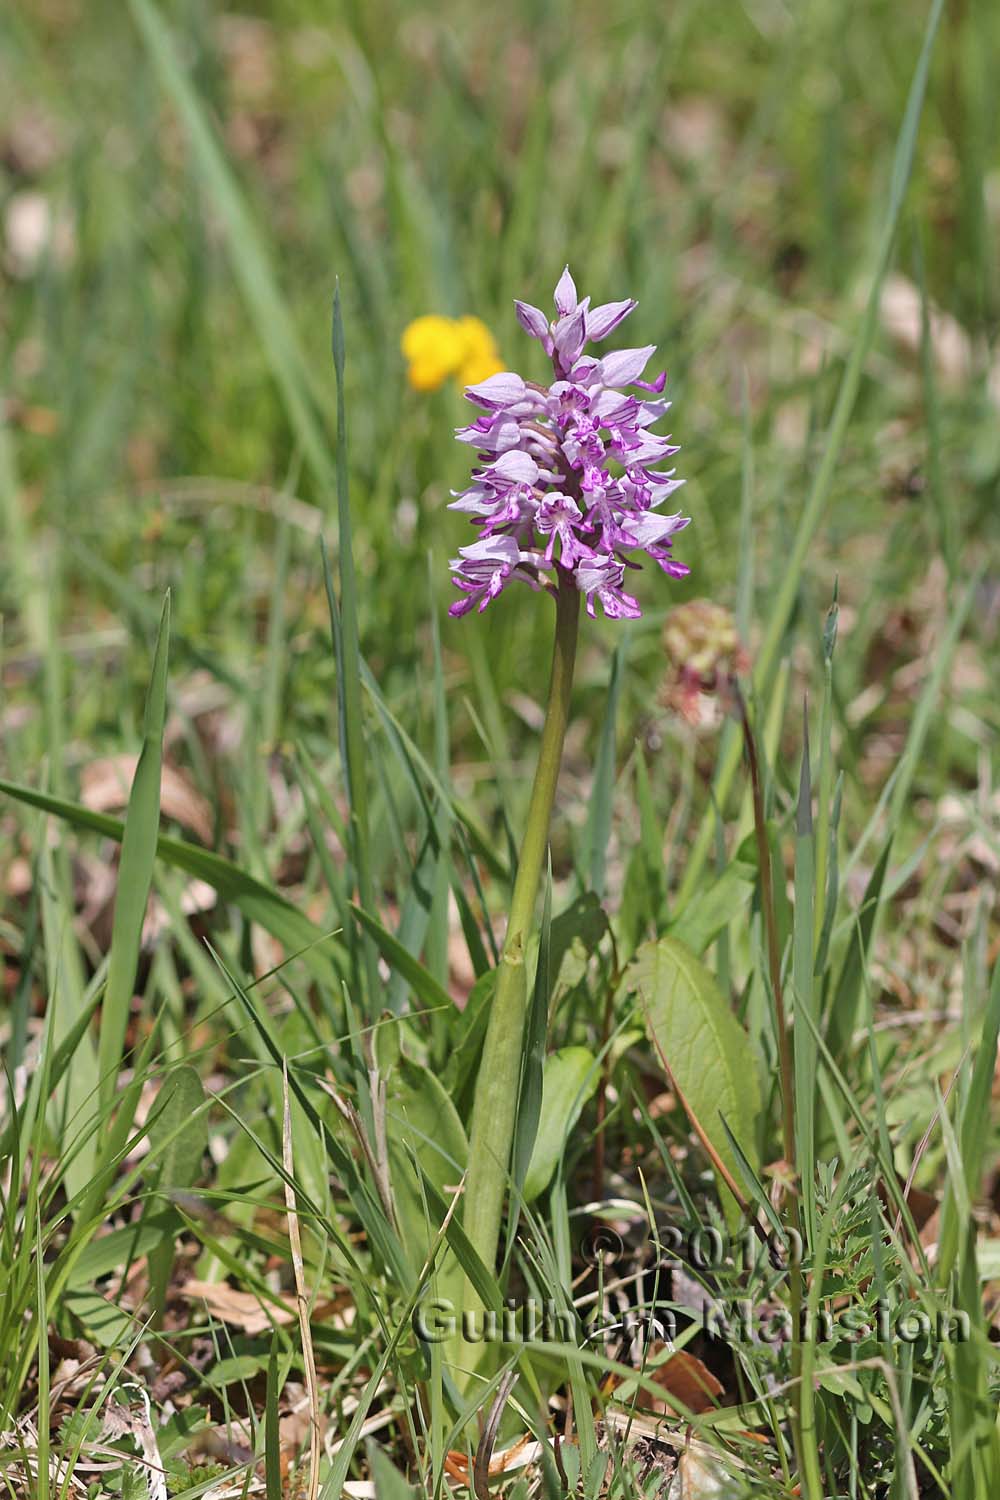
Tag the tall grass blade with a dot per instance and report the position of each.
(426, 988)
(349, 684)
(943, 503)
(529, 1104)
(334, 1484)
(599, 820)
(42, 1374)
(436, 938)
(135, 872)
(77, 1090)
(802, 981)
(273, 1485)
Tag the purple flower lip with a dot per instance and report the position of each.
(567, 482)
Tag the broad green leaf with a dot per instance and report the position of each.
(583, 921)
(178, 1129)
(421, 1123)
(115, 1250)
(178, 1432)
(469, 1032)
(428, 1151)
(389, 1482)
(621, 1042)
(108, 1325)
(711, 909)
(235, 1370)
(178, 1135)
(569, 1080)
(707, 1052)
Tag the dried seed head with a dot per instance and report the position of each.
(705, 656)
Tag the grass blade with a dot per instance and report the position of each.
(135, 871)
(802, 981)
(529, 1104)
(77, 1090)
(599, 821)
(427, 989)
(349, 659)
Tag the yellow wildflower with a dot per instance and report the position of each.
(482, 357)
(434, 348)
(437, 347)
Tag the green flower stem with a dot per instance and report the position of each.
(495, 1107)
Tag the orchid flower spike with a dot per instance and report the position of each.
(569, 479)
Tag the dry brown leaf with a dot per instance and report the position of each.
(902, 318)
(240, 1309)
(105, 785)
(685, 1378)
(661, 1105)
(136, 1421)
(703, 1476)
(19, 878)
(953, 350)
(245, 1310)
(32, 229)
(520, 1453)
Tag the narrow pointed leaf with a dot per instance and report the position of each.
(135, 870)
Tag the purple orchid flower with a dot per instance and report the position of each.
(567, 483)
